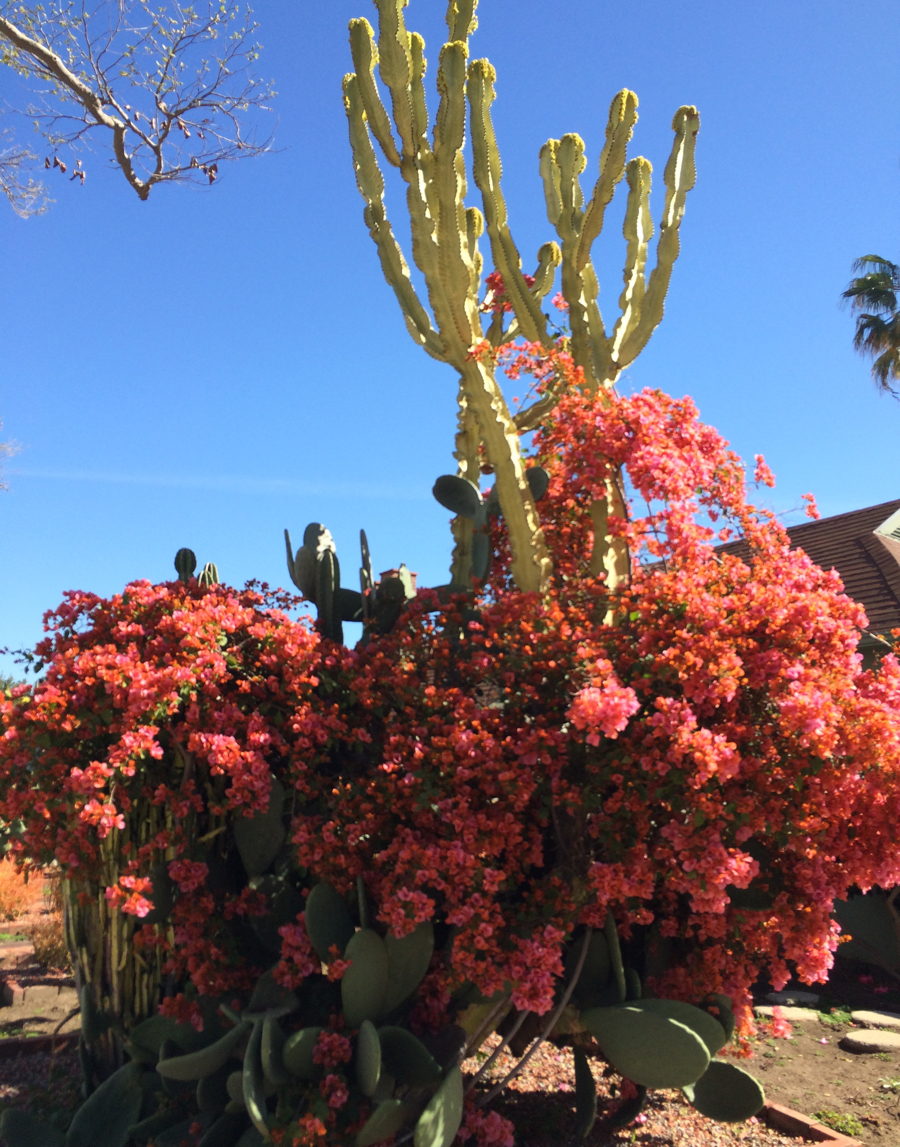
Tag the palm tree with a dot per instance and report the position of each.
(873, 298)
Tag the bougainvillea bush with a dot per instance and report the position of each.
(697, 751)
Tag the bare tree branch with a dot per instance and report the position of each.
(26, 195)
(169, 88)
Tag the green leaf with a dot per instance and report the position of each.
(407, 1059)
(408, 961)
(439, 1122)
(146, 1038)
(585, 1095)
(271, 1051)
(648, 1048)
(385, 1121)
(106, 1118)
(699, 1021)
(198, 1064)
(259, 837)
(368, 1059)
(252, 1079)
(458, 495)
(364, 982)
(328, 921)
(270, 996)
(727, 1093)
(298, 1053)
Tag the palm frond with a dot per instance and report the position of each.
(886, 369)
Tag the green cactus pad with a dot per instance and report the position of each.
(408, 960)
(328, 921)
(611, 932)
(298, 1053)
(646, 1047)
(634, 989)
(348, 604)
(105, 1119)
(407, 1058)
(253, 1083)
(629, 1110)
(234, 1085)
(22, 1129)
(385, 1121)
(226, 1131)
(259, 837)
(594, 971)
(538, 481)
(458, 495)
(385, 1088)
(727, 1093)
(270, 996)
(185, 563)
(212, 1091)
(585, 1095)
(699, 1021)
(150, 1128)
(199, 1064)
(439, 1122)
(721, 1008)
(368, 1059)
(364, 983)
(271, 1052)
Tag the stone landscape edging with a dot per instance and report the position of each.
(18, 1045)
(793, 1123)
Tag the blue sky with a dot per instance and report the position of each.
(209, 367)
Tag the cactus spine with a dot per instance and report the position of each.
(445, 236)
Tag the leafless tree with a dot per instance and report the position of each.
(169, 87)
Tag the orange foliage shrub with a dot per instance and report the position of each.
(16, 896)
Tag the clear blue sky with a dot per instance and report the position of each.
(207, 368)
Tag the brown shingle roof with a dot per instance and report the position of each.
(847, 543)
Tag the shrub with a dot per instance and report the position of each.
(17, 894)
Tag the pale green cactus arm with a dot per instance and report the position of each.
(530, 562)
(468, 466)
(619, 129)
(486, 171)
(454, 262)
(396, 70)
(474, 231)
(393, 265)
(461, 19)
(549, 258)
(680, 175)
(638, 231)
(365, 57)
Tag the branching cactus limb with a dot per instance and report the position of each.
(445, 242)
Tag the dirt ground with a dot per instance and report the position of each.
(808, 1072)
(811, 1073)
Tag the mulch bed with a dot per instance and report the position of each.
(541, 1105)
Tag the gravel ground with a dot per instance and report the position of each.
(541, 1106)
(28, 1082)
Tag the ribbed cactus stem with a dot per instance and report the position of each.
(680, 175)
(530, 563)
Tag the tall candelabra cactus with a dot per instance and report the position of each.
(445, 248)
